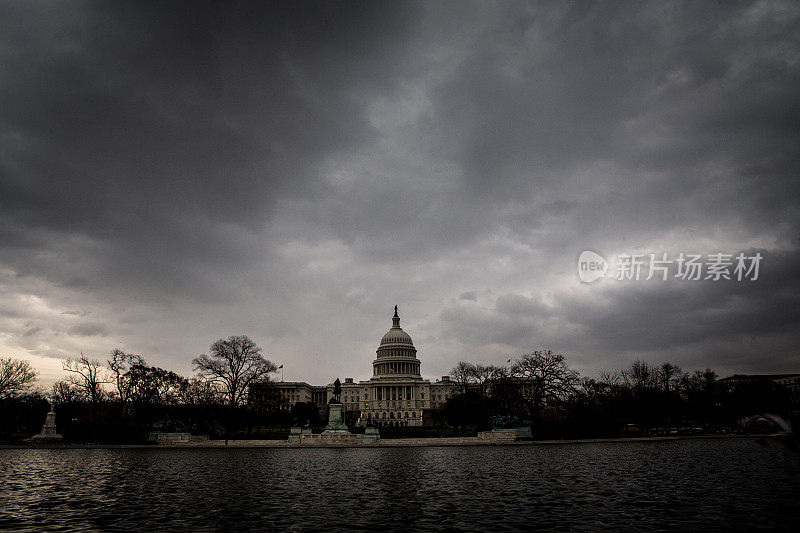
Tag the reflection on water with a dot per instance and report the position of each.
(691, 484)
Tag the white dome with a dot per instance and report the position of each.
(396, 355)
(396, 336)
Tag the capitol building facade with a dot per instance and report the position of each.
(395, 396)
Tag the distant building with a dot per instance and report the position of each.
(789, 382)
(396, 395)
(283, 395)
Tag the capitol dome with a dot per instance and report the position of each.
(396, 335)
(396, 352)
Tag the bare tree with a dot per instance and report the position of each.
(200, 392)
(234, 364)
(640, 376)
(610, 379)
(547, 379)
(699, 380)
(16, 376)
(89, 376)
(65, 392)
(482, 375)
(669, 376)
(120, 365)
(462, 374)
(155, 386)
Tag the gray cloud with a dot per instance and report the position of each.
(88, 330)
(291, 171)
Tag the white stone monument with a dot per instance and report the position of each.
(48, 433)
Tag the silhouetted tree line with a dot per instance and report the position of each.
(20, 403)
(124, 399)
(641, 399)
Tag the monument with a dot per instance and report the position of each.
(336, 432)
(336, 425)
(48, 433)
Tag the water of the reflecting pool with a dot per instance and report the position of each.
(730, 484)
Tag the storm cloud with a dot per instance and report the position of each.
(174, 173)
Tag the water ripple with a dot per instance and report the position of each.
(711, 485)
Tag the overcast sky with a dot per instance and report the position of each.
(181, 172)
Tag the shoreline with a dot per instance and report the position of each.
(431, 442)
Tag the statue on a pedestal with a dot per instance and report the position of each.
(337, 392)
(336, 423)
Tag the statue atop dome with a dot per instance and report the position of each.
(395, 319)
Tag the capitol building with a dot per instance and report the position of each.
(396, 394)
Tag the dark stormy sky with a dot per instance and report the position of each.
(172, 173)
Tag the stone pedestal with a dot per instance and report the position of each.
(335, 434)
(48, 433)
(295, 435)
(498, 436)
(371, 435)
(175, 438)
(523, 432)
(336, 425)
